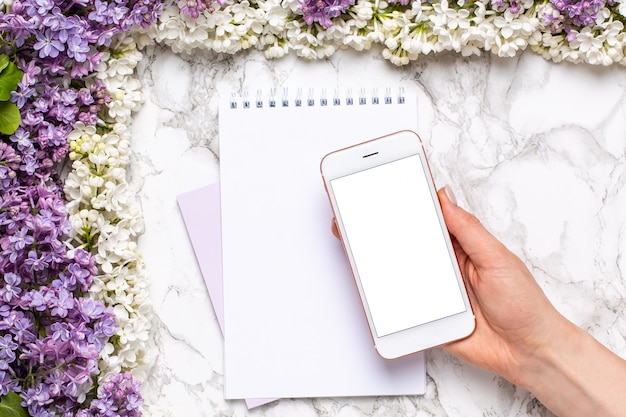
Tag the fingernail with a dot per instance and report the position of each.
(450, 194)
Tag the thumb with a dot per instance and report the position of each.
(474, 239)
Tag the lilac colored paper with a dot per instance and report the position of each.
(201, 212)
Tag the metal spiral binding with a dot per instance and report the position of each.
(339, 98)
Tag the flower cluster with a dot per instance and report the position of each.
(68, 34)
(322, 11)
(54, 333)
(576, 13)
(117, 396)
(51, 333)
(193, 8)
(104, 214)
(573, 30)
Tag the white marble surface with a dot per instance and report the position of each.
(535, 149)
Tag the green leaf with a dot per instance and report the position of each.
(10, 406)
(4, 61)
(9, 119)
(9, 77)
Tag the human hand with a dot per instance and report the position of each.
(513, 316)
(514, 319)
(520, 335)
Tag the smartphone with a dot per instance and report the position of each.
(394, 236)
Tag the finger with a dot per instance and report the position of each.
(335, 229)
(461, 256)
(474, 239)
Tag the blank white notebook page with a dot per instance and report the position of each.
(294, 325)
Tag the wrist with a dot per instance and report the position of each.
(545, 358)
(549, 372)
(573, 368)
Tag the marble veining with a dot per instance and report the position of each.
(536, 150)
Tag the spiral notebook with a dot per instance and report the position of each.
(293, 322)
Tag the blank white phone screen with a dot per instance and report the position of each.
(397, 243)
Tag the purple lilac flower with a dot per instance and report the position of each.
(60, 356)
(574, 14)
(63, 303)
(31, 73)
(21, 96)
(50, 333)
(42, 317)
(6, 383)
(193, 8)
(7, 349)
(98, 13)
(48, 45)
(23, 329)
(9, 163)
(117, 396)
(77, 48)
(39, 7)
(11, 288)
(61, 39)
(511, 5)
(581, 13)
(322, 11)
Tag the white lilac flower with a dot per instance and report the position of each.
(170, 25)
(307, 41)
(276, 50)
(458, 19)
(586, 41)
(356, 40)
(104, 215)
(121, 58)
(363, 11)
(276, 17)
(621, 7)
(473, 40)
(513, 32)
(417, 43)
(278, 27)
(602, 46)
(126, 97)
